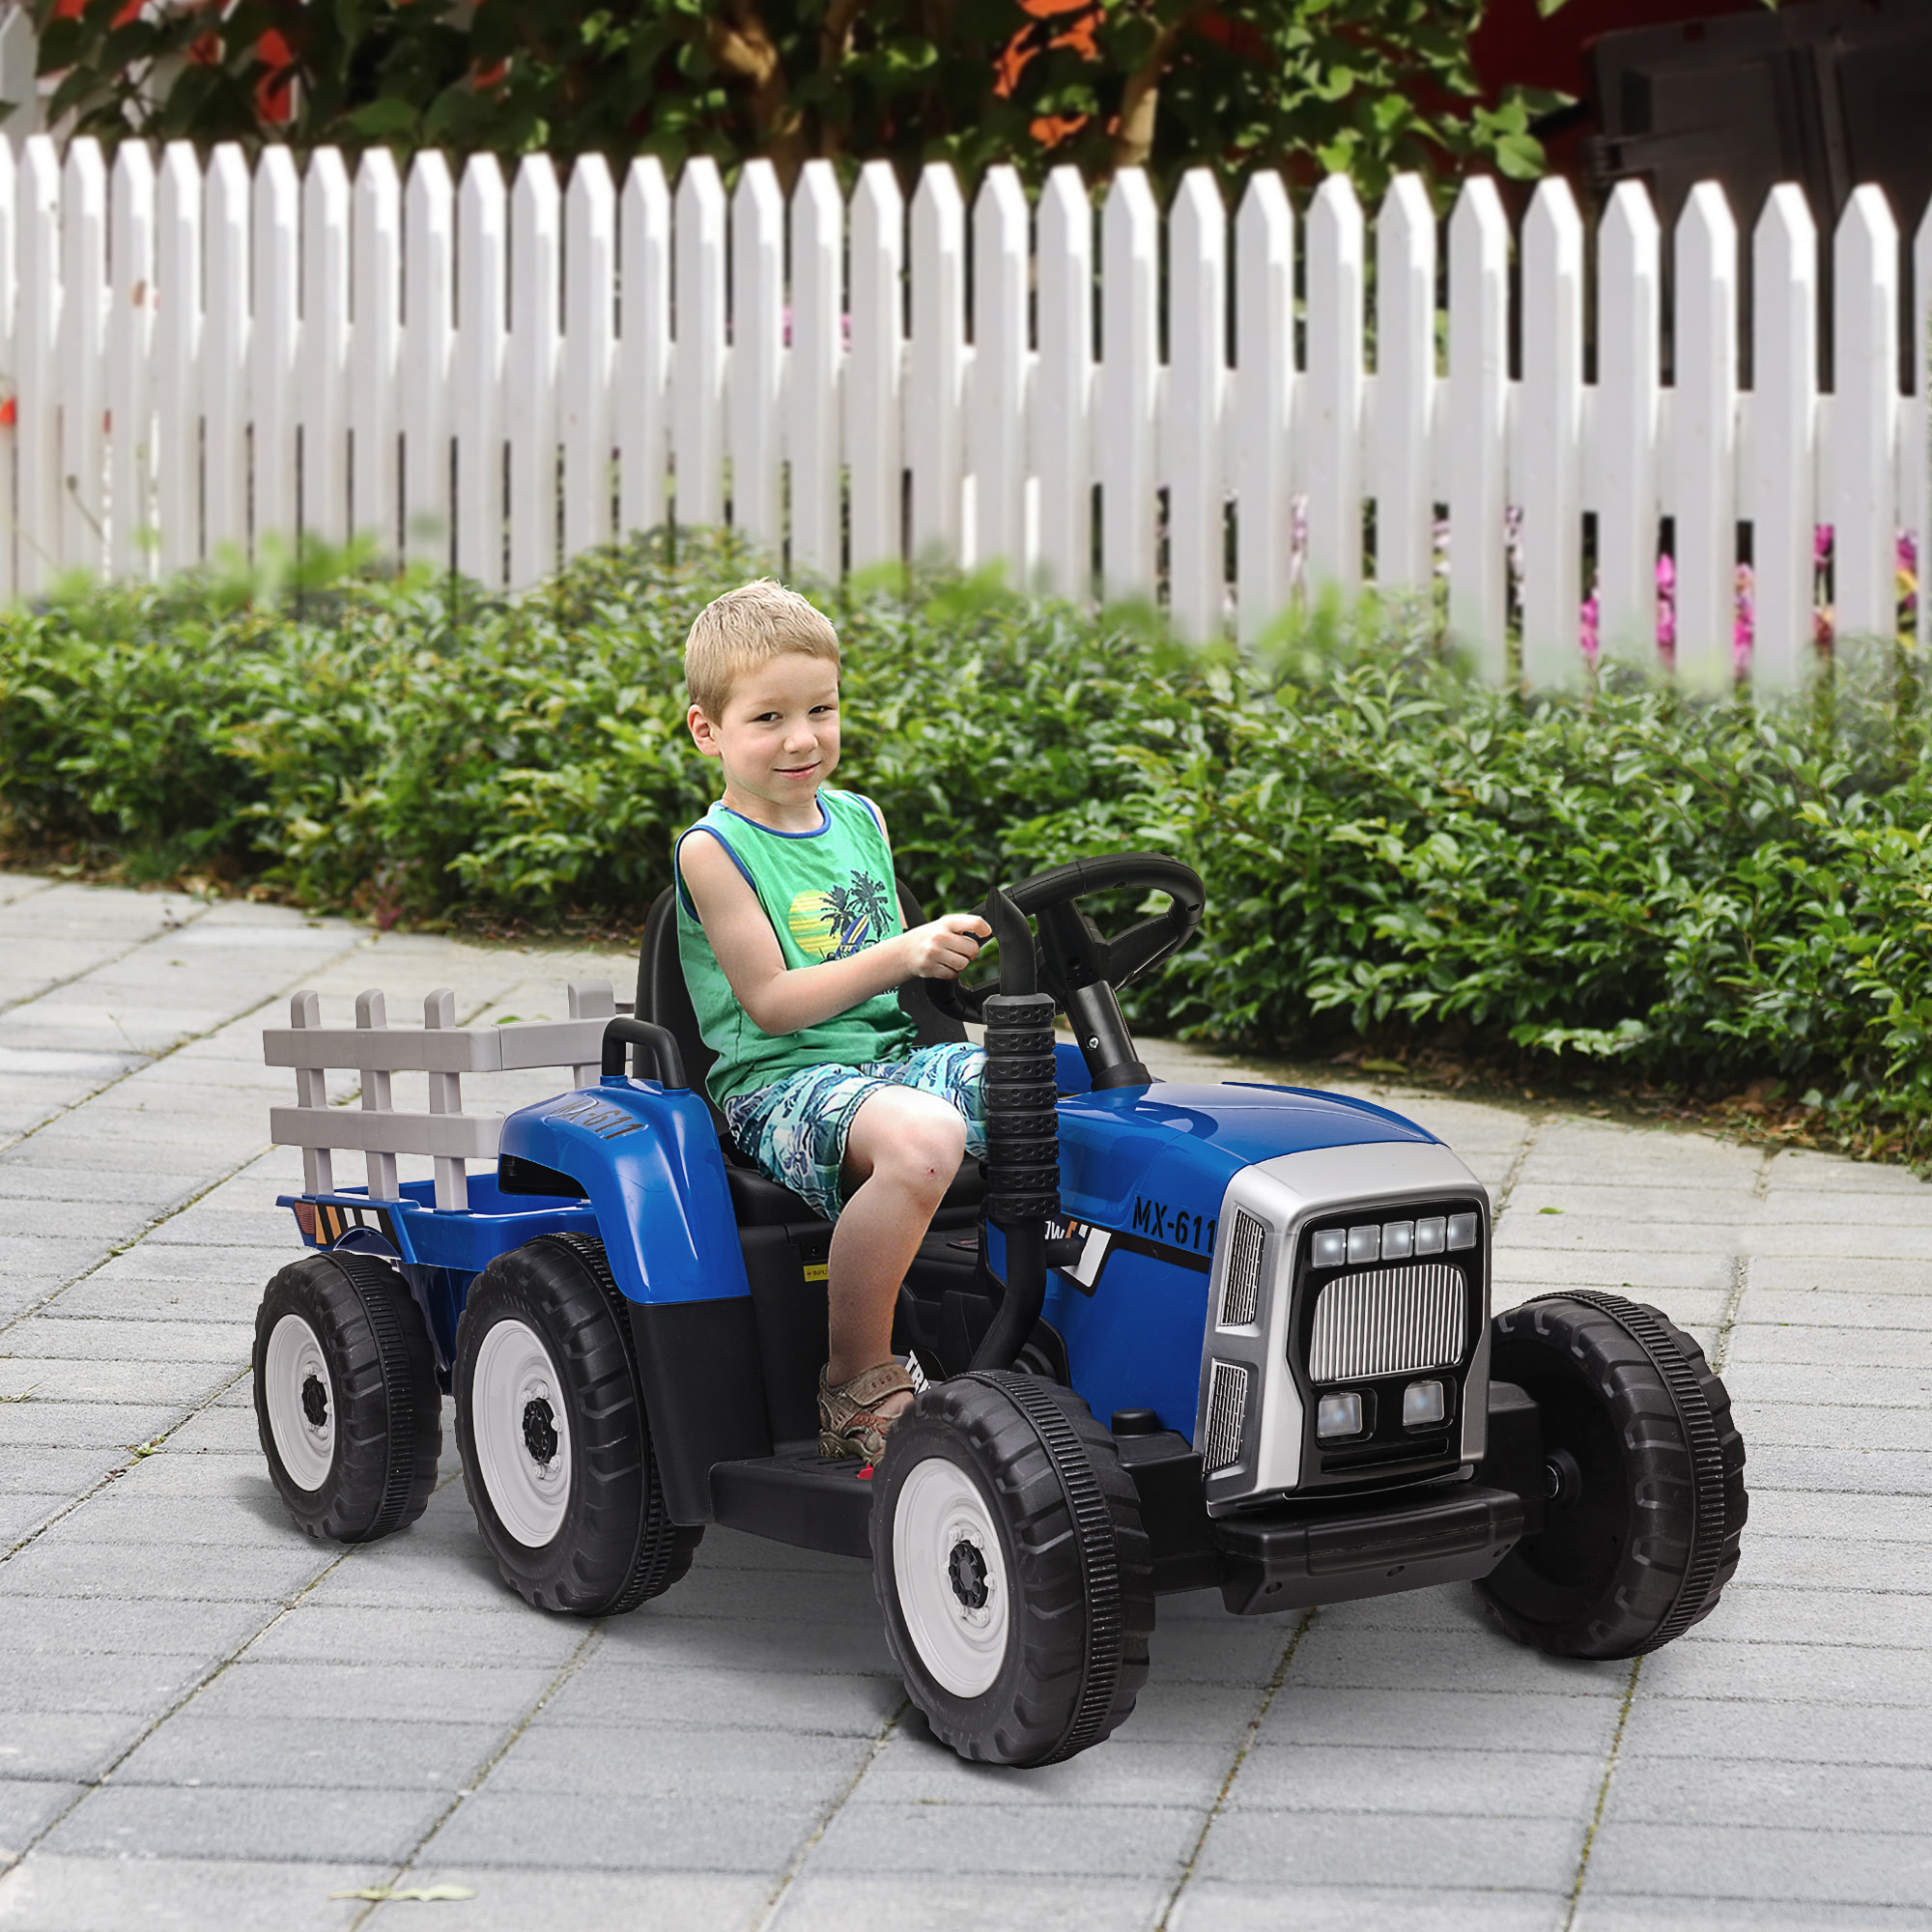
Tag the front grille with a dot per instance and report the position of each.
(1227, 1408)
(1388, 1321)
(1241, 1290)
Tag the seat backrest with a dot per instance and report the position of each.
(664, 996)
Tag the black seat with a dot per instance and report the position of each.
(663, 998)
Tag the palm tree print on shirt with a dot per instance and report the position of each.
(842, 920)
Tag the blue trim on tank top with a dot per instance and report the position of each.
(677, 869)
(824, 812)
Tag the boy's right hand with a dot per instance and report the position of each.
(944, 949)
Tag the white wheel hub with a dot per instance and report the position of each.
(951, 1573)
(300, 1402)
(521, 1431)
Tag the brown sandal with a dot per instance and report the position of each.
(849, 1420)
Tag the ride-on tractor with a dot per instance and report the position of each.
(1276, 1299)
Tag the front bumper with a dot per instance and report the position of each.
(1333, 1549)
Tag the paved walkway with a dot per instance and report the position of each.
(208, 1721)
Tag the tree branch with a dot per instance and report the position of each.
(1140, 99)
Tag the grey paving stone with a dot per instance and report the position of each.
(315, 1750)
(1107, 1841)
(1343, 1848)
(56, 1382)
(703, 1767)
(126, 1517)
(36, 1469)
(665, 1642)
(820, 1902)
(120, 1894)
(1471, 1659)
(1887, 1472)
(1644, 1272)
(453, 1691)
(52, 1684)
(25, 1176)
(1129, 1769)
(1778, 1417)
(1844, 1562)
(627, 1831)
(1801, 1273)
(27, 1808)
(1219, 1905)
(1697, 1665)
(1740, 1790)
(64, 1746)
(56, 1334)
(510, 1901)
(1790, 1733)
(1753, 1611)
(1833, 1308)
(1836, 1867)
(1858, 1351)
(24, 1510)
(1504, 1721)
(219, 1432)
(651, 1700)
(50, 1568)
(128, 1297)
(1391, 1781)
(106, 1221)
(66, 1425)
(309, 1823)
(94, 1627)
(357, 1634)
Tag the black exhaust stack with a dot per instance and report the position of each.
(1022, 1135)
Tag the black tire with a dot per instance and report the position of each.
(1059, 1668)
(345, 1396)
(602, 1541)
(1646, 1470)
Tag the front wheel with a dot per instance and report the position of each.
(557, 1448)
(1013, 1568)
(1645, 1473)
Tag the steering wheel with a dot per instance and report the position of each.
(1071, 951)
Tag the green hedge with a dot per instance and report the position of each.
(1696, 891)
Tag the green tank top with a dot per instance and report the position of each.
(827, 893)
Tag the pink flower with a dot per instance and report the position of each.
(1666, 604)
(1743, 620)
(1587, 617)
(1821, 546)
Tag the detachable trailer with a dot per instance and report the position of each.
(1278, 1297)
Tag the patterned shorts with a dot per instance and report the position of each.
(795, 1128)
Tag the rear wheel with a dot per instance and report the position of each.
(1645, 1473)
(346, 1398)
(1013, 1571)
(556, 1449)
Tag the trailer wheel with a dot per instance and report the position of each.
(557, 1448)
(1645, 1474)
(346, 1399)
(1014, 1575)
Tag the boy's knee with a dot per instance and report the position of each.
(925, 1153)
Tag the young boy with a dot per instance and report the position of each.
(790, 933)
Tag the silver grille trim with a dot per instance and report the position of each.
(1387, 1321)
(1227, 1410)
(1241, 1290)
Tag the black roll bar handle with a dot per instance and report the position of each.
(667, 1063)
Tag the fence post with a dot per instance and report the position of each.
(476, 415)
(177, 376)
(995, 436)
(445, 1097)
(1864, 408)
(1628, 345)
(9, 376)
(130, 313)
(1332, 397)
(372, 1012)
(755, 403)
(699, 360)
(1550, 436)
(312, 1091)
(427, 357)
(19, 57)
(644, 349)
(82, 522)
(1124, 452)
(276, 345)
(1062, 385)
(818, 358)
(1780, 491)
(374, 357)
(225, 352)
(1704, 459)
(1197, 303)
(530, 367)
(875, 368)
(37, 397)
(936, 377)
(589, 342)
(323, 362)
(1918, 456)
(1399, 479)
(1478, 418)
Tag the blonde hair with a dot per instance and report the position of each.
(746, 627)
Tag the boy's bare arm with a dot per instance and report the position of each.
(782, 999)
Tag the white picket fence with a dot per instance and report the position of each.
(1105, 401)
